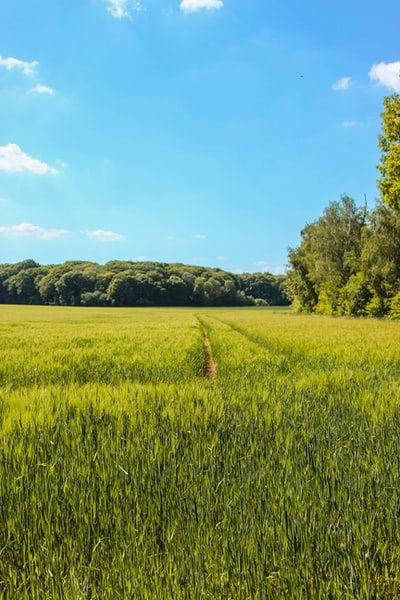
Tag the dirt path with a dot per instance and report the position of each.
(210, 370)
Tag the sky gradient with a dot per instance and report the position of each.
(196, 131)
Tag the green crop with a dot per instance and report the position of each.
(127, 472)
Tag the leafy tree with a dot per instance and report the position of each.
(300, 287)
(328, 256)
(178, 291)
(356, 295)
(22, 288)
(122, 289)
(380, 259)
(229, 292)
(389, 144)
(264, 288)
(18, 282)
(70, 287)
(96, 298)
(394, 312)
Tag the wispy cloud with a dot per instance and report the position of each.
(42, 89)
(14, 160)
(278, 270)
(123, 9)
(342, 84)
(267, 268)
(28, 229)
(199, 236)
(188, 6)
(350, 123)
(105, 236)
(386, 75)
(28, 68)
(61, 163)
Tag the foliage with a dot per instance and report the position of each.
(381, 251)
(358, 277)
(356, 296)
(389, 144)
(328, 257)
(126, 283)
(395, 307)
(348, 261)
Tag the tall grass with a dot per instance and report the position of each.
(277, 480)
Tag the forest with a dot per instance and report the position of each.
(348, 261)
(128, 283)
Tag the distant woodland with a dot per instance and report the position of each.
(127, 283)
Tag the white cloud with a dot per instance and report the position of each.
(278, 270)
(188, 6)
(350, 123)
(141, 258)
(267, 268)
(24, 229)
(61, 163)
(42, 89)
(386, 75)
(14, 160)
(122, 9)
(105, 236)
(199, 236)
(342, 84)
(28, 68)
(200, 259)
(221, 258)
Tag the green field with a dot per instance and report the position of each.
(129, 470)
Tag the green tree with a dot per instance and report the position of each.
(380, 258)
(328, 256)
(177, 291)
(389, 144)
(70, 287)
(300, 288)
(265, 288)
(22, 287)
(122, 290)
(19, 282)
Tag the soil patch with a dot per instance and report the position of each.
(210, 369)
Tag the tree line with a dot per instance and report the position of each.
(128, 283)
(348, 261)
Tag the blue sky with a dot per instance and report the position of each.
(197, 131)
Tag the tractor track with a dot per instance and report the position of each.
(210, 368)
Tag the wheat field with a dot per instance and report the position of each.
(127, 471)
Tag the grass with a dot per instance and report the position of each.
(126, 473)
